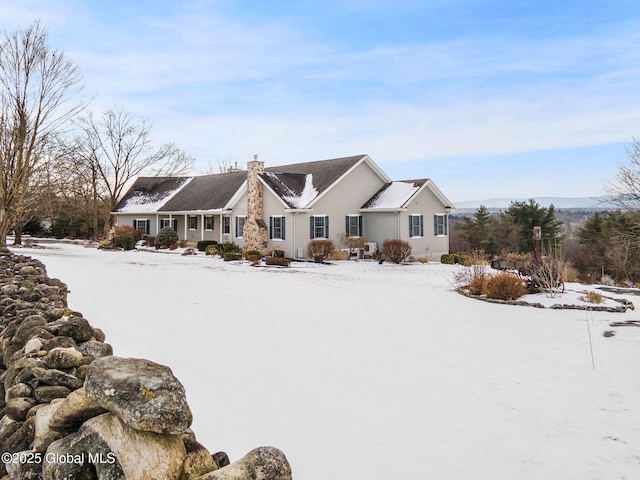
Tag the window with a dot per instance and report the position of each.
(276, 228)
(166, 222)
(141, 226)
(440, 224)
(193, 222)
(319, 226)
(240, 225)
(208, 222)
(226, 225)
(416, 226)
(353, 225)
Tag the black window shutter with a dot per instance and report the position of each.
(346, 225)
(270, 227)
(421, 226)
(312, 229)
(282, 227)
(410, 225)
(360, 226)
(446, 226)
(237, 226)
(435, 225)
(326, 227)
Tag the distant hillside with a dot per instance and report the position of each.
(586, 203)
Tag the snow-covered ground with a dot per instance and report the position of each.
(366, 371)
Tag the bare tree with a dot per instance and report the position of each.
(36, 85)
(117, 148)
(625, 190)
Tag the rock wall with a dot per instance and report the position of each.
(70, 409)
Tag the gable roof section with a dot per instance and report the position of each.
(296, 190)
(397, 195)
(148, 194)
(301, 184)
(207, 192)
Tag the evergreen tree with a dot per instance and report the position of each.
(526, 215)
(478, 231)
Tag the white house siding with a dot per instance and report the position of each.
(430, 245)
(239, 209)
(128, 219)
(346, 197)
(380, 226)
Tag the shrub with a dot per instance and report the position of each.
(182, 243)
(478, 286)
(227, 247)
(252, 255)
(128, 230)
(592, 297)
(353, 244)
(448, 258)
(211, 249)
(548, 273)
(320, 250)
(149, 241)
(464, 276)
(203, 244)
(463, 259)
(125, 242)
(278, 252)
(166, 237)
(228, 256)
(505, 286)
(422, 260)
(279, 261)
(396, 250)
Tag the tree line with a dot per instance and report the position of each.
(59, 161)
(606, 246)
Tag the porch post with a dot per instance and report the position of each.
(202, 227)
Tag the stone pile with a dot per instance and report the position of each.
(72, 410)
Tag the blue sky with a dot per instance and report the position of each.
(516, 98)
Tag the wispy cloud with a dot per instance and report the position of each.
(227, 82)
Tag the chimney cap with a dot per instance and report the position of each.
(255, 157)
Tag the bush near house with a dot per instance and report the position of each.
(252, 255)
(279, 261)
(125, 242)
(166, 237)
(228, 256)
(395, 250)
(203, 244)
(227, 247)
(211, 249)
(123, 230)
(448, 258)
(320, 250)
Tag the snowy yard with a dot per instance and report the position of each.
(366, 371)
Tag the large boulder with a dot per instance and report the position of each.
(144, 394)
(262, 463)
(116, 451)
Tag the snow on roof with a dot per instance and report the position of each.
(295, 189)
(395, 194)
(309, 192)
(145, 201)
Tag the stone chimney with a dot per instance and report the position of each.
(254, 232)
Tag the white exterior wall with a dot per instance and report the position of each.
(346, 197)
(380, 226)
(128, 218)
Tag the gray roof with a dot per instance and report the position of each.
(325, 172)
(213, 192)
(148, 192)
(208, 192)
